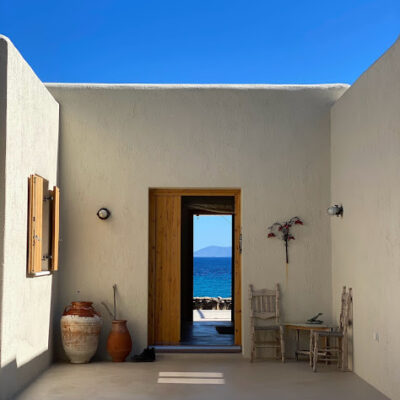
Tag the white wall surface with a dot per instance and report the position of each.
(366, 242)
(29, 140)
(116, 142)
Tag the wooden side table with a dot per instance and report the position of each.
(298, 327)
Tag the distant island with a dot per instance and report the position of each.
(213, 252)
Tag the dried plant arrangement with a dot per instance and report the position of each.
(282, 231)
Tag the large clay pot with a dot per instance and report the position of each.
(80, 330)
(119, 343)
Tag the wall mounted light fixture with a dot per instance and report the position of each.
(336, 210)
(103, 213)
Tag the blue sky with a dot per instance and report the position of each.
(207, 41)
(212, 230)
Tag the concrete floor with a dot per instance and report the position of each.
(201, 377)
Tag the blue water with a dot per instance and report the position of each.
(212, 277)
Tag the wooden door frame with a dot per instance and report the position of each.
(231, 192)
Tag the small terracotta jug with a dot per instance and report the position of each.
(119, 343)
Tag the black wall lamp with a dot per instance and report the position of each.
(103, 213)
(336, 210)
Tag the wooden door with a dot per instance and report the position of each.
(237, 270)
(165, 269)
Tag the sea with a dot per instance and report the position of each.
(212, 277)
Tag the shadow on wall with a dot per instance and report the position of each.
(14, 379)
(29, 361)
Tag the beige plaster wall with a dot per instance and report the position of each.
(29, 144)
(116, 142)
(366, 242)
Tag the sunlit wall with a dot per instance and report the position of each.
(29, 141)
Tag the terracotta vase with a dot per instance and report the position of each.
(119, 343)
(80, 330)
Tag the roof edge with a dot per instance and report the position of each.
(165, 86)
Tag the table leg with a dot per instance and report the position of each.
(297, 344)
(326, 341)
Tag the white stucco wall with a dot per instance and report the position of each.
(29, 139)
(366, 242)
(116, 142)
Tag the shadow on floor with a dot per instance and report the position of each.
(204, 333)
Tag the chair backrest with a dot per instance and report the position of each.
(264, 303)
(345, 310)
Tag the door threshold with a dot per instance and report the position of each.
(197, 349)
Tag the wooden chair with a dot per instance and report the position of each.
(338, 350)
(264, 306)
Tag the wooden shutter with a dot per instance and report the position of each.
(55, 231)
(165, 269)
(35, 221)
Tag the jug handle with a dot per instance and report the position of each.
(66, 309)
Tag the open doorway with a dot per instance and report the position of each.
(212, 271)
(174, 285)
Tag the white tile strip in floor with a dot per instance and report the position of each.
(192, 381)
(191, 378)
(192, 374)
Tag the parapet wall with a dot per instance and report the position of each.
(212, 303)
